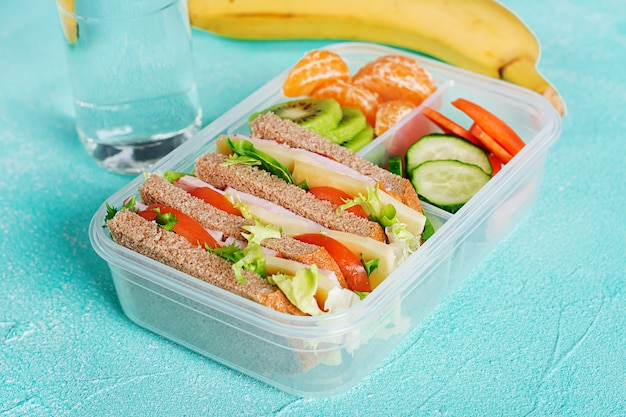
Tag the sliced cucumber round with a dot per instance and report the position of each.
(437, 146)
(448, 184)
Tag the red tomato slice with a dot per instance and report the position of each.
(349, 264)
(337, 197)
(185, 226)
(217, 200)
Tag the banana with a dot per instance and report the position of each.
(68, 21)
(479, 35)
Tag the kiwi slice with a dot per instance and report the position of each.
(320, 115)
(361, 139)
(351, 123)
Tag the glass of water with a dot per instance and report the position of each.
(131, 70)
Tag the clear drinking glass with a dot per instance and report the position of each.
(131, 70)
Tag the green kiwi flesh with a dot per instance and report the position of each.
(320, 115)
(361, 139)
(352, 122)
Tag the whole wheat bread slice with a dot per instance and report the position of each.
(271, 127)
(157, 190)
(144, 237)
(210, 168)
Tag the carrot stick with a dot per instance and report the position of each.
(448, 126)
(489, 143)
(491, 125)
(495, 162)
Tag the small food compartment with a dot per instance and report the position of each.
(314, 356)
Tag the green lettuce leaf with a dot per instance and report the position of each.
(300, 289)
(242, 159)
(259, 232)
(232, 252)
(243, 209)
(385, 214)
(250, 258)
(173, 176)
(245, 153)
(253, 260)
(370, 265)
(404, 242)
(130, 204)
(165, 220)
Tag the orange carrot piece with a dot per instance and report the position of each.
(496, 164)
(491, 125)
(489, 143)
(448, 126)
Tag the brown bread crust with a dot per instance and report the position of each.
(157, 190)
(271, 127)
(144, 237)
(249, 179)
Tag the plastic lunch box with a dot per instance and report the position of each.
(322, 356)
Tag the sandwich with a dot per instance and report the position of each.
(271, 127)
(254, 261)
(282, 217)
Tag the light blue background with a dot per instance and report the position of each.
(538, 328)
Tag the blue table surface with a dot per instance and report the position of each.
(538, 328)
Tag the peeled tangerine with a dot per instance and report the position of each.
(396, 77)
(391, 112)
(315, 70)
(351, 95)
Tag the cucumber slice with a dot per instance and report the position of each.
(448, 184)
(437, 146)
(395, 165)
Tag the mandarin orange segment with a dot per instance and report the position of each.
(316, 69)
(350, 95)
(396, 77)
(391, 112)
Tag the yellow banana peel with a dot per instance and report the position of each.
(68, 21)
(478, 35)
